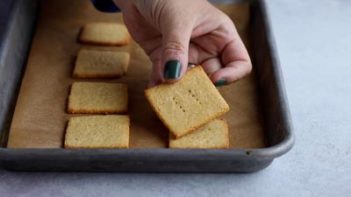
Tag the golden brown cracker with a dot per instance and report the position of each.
(98, 131)
(103, 33)
(214, 134)
(187, 104)
(100, 64)
(98, 98)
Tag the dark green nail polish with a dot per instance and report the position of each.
(221, 82)
(172, 69)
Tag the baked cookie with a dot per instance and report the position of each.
(100, 64)
(102, 33)
(214, 134)
(187, 104)
(98, 98)
(97, 131)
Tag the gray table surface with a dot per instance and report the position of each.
(314, 43)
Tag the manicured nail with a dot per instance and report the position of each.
(221, 82)
(172, 69)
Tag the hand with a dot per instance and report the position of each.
(174, 33)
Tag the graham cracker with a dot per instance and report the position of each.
(102, 33)
(97, 131)
(214, 135)
(92, 63)
(98, 98)
(187, 104)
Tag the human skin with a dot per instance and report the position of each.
(174, 33)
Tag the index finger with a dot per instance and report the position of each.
(235, 60)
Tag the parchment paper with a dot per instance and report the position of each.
(40, 116)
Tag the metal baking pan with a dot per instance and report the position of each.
(15, 41)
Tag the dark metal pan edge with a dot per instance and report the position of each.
(288, 142)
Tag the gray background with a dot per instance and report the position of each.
(314, 43)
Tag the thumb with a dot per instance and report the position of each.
(175, 47)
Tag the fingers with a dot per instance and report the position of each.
(170, 61)
(217, 45)
(233, 64)
(236, 63)
(231, 73)
(175, 48)
(172, 64)
(211, 65)
(156, 73)
(174, 57)
(197, 55)
(225, 75)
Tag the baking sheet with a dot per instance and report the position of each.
(40, 116)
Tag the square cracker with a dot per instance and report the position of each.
(187, 104)
(214, 134)
(105, 34)
(97, 98)
(97, 131)
(100, 64)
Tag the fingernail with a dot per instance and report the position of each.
(172, 69)
(190, 65)
(221, 82)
